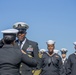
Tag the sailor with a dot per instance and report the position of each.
(11, 56)
(51, 62)
(71, 66)
(30, 47)
(64, 60)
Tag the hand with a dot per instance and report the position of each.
(23, 52)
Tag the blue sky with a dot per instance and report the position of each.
(47, 20)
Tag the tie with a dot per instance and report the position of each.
(20, 43)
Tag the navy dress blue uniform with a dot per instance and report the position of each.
(10, 59)
(51, 65)
(64, 66)
(71, 66)
(30, 47)
(51, 62)
(64, 61)
(11, 56)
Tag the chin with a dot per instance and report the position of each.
(50, 51)
(20, 39)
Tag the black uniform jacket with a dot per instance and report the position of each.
(51, 65)
(31, 48)
(71, 64)
(10, 59)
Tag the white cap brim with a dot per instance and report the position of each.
(10, 31)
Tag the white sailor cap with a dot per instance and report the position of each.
(42, 50)
(74, 43)
(20, 25)
(10, 31)
(56, 51)
(50, 42)
(63, 50)
(9, 34)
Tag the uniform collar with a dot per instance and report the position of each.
(24, 41)
(49, 54)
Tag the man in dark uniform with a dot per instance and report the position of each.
(71, 66)
(11, 56)
(64, 60)
(30, 47)
(51, 62)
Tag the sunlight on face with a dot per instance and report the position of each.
(50, 47)
(21, 36)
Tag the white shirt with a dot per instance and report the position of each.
(22, 44)
(63, 60)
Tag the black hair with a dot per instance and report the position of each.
(22, 31)
(9, 38)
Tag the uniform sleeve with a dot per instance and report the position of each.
(29, 60)
(42, 61)
(69, 66)
(36, 50)
(60, 66)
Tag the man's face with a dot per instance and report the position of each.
(63, 55)
(21, 36)
(50, 47)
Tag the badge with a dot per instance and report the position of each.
(30, 48)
